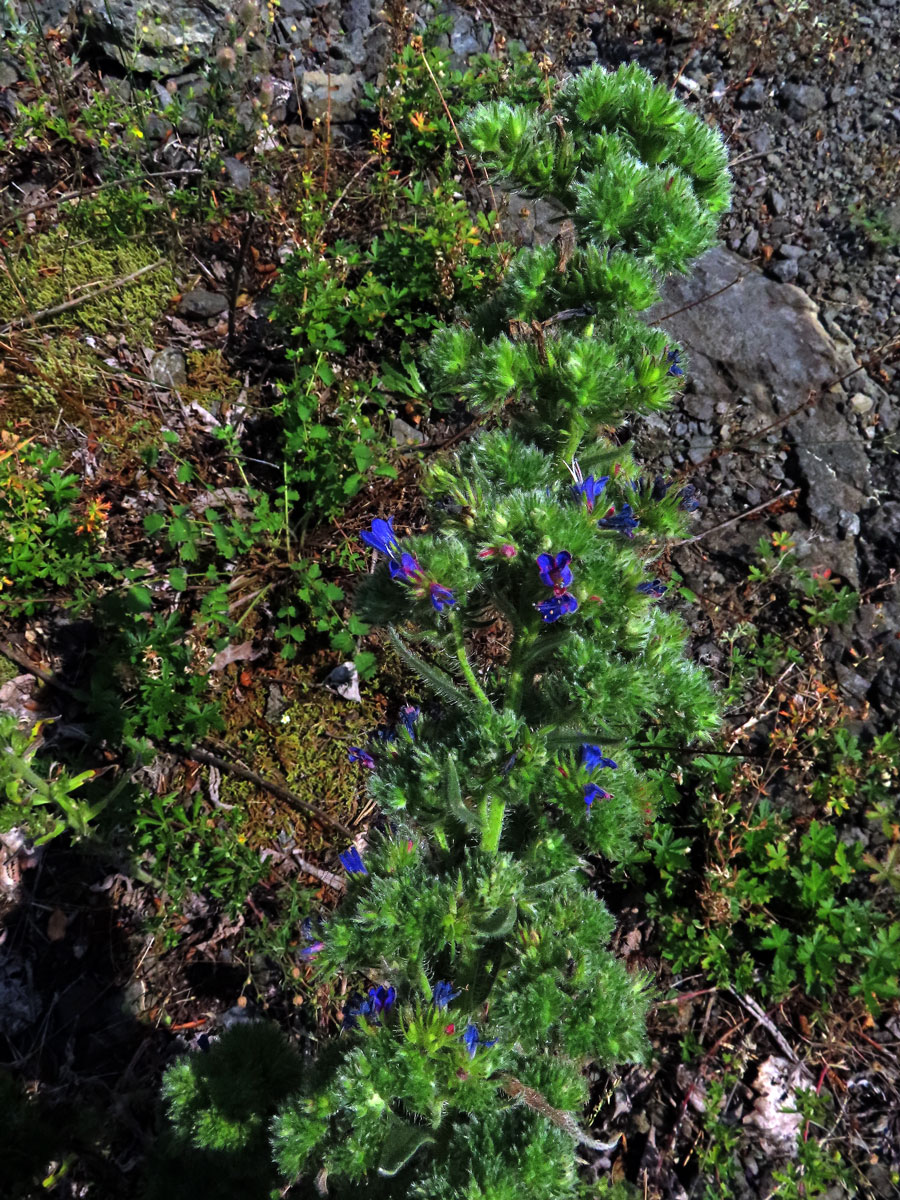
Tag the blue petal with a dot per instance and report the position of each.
(382, 538)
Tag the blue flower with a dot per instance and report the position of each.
(311, 951)
(623, 521)
(592, 758)
(381, 999)
(473, 1041)
(443, 994)
(357, 754)
(590, 490)
(557, 606)
(555, 572)
(673, 357)
(409, 714)
(689, 501)
(382, 538)
(592, 792)
(352, 862)
(404, 567)
(441, 597)
(654, 587)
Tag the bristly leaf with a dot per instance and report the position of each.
(433, 676)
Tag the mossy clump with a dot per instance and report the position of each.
(57, 267)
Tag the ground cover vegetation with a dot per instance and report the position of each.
(182, 548)
(460, 1071)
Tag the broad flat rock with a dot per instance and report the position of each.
(750, 338)
(155, 35)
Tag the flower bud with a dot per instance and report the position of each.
(225, 59)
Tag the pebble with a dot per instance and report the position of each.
(201, 304)
(776, 201)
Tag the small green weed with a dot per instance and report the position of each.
(51, 533)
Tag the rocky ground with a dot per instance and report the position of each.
(789, 422)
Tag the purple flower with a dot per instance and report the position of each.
(407, 569)
(443, 994)
(312, 951)
(555, 572)
(623, 521)
(592, 792)
(357, 754)
(473, 1041)
(590, 490)
(673, 357)
(352, 862)
(382, 538)
(557, 606)
(592, 758)
(409, 714)
(655, 588)
(441, 597)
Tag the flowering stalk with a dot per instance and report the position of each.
(470, 914)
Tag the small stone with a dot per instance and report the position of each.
(8, 73)
(750, 243)
(323, 94)
(861, 403)
(776, 202)
(800, 99)
(297, 135)
(760, 140)
(238, 174)
(753, 96)
(406, 434)
(785, 271)
(169, 368)
(201, 304)
(789, 250)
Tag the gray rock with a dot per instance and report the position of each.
(200, 304)
(785, 271)
(764, 340)
(406, 434)
(155, 35)
(8, 73)
(801, 99)
(356, 15)
(317, 86)
(238, 174)
(750, 243)
(169, 368)
(753, 96)
(789, 250)
(776, 202)
(861, 403)
(760, 140)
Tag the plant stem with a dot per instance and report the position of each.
(464, 663)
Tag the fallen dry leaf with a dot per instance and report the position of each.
(232, 654)
(56, 925)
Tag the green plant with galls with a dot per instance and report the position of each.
(488, 982)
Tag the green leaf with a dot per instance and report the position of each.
(441, 682)
(140, 599)
(500, 921)
(178, 578)
(401, 1144)
(154, 522)
(185, 473)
